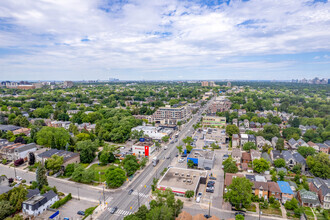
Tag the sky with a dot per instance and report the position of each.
(164, 39)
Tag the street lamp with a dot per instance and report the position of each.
(260, 213)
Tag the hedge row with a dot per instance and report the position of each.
(61, 202)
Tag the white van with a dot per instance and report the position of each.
(198, 199)
(165, 148)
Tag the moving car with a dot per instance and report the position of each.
(168, 157)
(130, 191)
(113, 210)
(81, 213)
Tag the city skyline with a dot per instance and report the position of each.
(164, 40)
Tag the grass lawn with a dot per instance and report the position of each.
(84, 164)
(290, 215)
(252, 208)
(309, 213)
(98, 168)
(319, 215)
(272, 211)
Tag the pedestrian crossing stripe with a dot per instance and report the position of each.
(121, 212)
(140, 194)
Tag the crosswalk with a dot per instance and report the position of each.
(140, 194)
(121, 212)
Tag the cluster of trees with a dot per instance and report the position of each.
(239, 193)
(53, 137)
(11, 202)
(229, 165)
(260, 165)
(319, 165)
(164, 207)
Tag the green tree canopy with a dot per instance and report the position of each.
(239, 192)
(260, 165)
(115, 177)
(87, 150)
(279, 162)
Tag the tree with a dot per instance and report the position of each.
(73, 129)
(189, 194)
(143, 162)
(5, 209)
(188, 140)
(80, 174)
(232, 129)
(279, 163)
(165, 138)
(115, 177)
(281, 174)
(306, 151)
(189, 148)
(69, 169)
(104, 158)
(280, 144)
(87, 150)
(239, 192)
(229, 166)
(131, 164)
(295, 122)
(53, 137)
(135, 134)
(297, 169)
(180, 149)
(190, 163)
(142, 212)
(239, 217)
(291, 205)
(319, 165)
(291, 132)
(32, 158)
(54, 163)
(249, 145)
(260, 165)
(41, 177)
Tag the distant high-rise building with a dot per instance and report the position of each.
(228, 84)
(212, 84)
(113, 80)
(205, 83)
(68, 84)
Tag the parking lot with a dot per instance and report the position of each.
(70, 209)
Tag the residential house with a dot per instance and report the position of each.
(252, 138)
(274, 141)
(300, 160)
(281, 169)
(286, 191)
(275, 154)
(235, 141)
(313, 145)
(235, 121)
(266, 157)
(293, 186)
(308, 198)
(293, 143)
(322, 188)
(327, 143)
(246, 123)
(289, 159)
(274, 190)
(68, 157)
(244, 139)
(25, 131)
(7, 151)
(23, 151)
(37, 204)
(302, 143)
(323, 148)
(237, 155)
(260, 141)
(229, 178)
(260, 189)
(255, 154)
(246, 157)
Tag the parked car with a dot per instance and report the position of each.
(200, 194)
(19, 178)
(113, 210)
(81, 213)
(168, 157)
(207, 168)
(176, 155)
(198, 199)
(212, 178)
(207, 216)
(130, 191)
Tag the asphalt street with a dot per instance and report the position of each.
(128, 204)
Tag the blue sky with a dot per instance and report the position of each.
(164, 39)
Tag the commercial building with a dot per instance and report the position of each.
(205, 83)
(169, 115)
(143, 148)
(214, 121)
(154, 132)
(181, 180)
(202, 158)
(37, 204)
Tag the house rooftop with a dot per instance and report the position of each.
(198, 153)
(285, 187)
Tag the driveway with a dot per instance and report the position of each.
(71, 208)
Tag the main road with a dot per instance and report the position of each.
(128, 204)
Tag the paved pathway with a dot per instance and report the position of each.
(283, 211)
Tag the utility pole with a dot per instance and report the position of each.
(209, 208)
(15, 172)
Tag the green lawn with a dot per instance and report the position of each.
(98, 168)
(272, 211)
(84, 164)
(309, 213)
(319, 215)
(290, 215)
(252, 208)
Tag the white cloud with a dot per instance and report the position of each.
(147, 35)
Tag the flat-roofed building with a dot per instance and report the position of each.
(170, 115)
(202, 158)
(214, 121)
(143, 148)
(181, 180)
(154, 132)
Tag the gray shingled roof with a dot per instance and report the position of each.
(309, 197)
(287, 155)
(299, 158)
